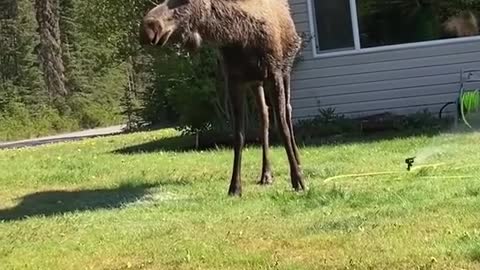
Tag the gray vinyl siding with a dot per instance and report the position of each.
(401, 81)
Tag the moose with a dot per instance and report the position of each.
(257, 43)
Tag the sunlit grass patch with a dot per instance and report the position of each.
(135, 202)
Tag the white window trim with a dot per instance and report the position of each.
(356, 37)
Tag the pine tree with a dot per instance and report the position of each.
(8, 15)
(50, 51)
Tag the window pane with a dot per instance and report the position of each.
(389, 22)
(334, 26)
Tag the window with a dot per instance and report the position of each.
(334, 25)
(354, 25)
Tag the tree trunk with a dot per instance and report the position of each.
(50, 50)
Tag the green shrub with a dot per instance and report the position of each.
(188, 90)
(17, 122)
(329, 123)
(326, 123)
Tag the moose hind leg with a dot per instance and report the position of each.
(286, 80)
(266, 177)
(280, 111)
(237, 98)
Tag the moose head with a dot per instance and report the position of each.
(170, 21)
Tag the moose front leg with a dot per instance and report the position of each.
(266, 178)
(237, 99)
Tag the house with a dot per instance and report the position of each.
(372, 56)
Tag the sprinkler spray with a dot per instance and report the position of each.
(409, 162)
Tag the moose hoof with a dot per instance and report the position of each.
(235, 192)
(266, 179)
(297, 183)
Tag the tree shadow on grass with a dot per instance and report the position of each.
(328, 128)
(215, 141)
(170, 144)
(56, 202)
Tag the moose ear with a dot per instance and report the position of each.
(171, 4)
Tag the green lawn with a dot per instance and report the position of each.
(85, 205)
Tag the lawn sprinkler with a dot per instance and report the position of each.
(409, 162)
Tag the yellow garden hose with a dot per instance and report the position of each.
(394, 172)
(358, 175)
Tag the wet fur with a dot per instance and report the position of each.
(265, 25)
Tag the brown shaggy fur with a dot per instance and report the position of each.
(257, 42)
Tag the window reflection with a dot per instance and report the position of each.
(390, 22)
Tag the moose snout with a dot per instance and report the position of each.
(150, 31)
